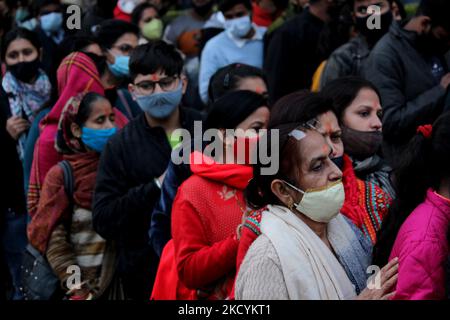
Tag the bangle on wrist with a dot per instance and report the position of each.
(157, 182)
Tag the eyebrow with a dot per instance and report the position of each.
(322, 157)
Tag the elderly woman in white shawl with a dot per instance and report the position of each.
(307, 250)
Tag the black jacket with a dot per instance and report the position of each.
(292, 55)
(410, 94)
(11, 188)
(347, 60)
(126, 193)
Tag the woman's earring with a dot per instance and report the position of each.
(291, 204)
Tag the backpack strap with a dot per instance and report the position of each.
(69, 186)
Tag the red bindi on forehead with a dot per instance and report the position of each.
(155, 77)
(259, 90)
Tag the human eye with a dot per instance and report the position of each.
(100, 120)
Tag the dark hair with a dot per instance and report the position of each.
(109, 31)
(37, 5)
(421, 166)
(300, 106)
(85, 108)
(136, 15)
(351, 3)
(336, 32)
(227, 79)
(155, 56)
(74, 43)
(226, 5)
(99, 61)
(233, 108)
(289, 113)
(437, 11)
(20, 33)
(344, 90)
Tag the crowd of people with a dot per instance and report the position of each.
(95, 206)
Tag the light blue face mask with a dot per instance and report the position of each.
(120, 67)
(96, 139)
(161, 105)
(51, 22)
(239, 27)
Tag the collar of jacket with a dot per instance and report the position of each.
(398, 31)
(441, 203)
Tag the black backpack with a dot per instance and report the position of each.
(39, 282)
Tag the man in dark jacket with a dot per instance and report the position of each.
(349, 59)
(292, 56)
(134, 162)
(409, 68)
(51, 33)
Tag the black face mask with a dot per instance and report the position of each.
(339, 162)
(25, 71)
(361, 144)
(204, 9)
(430, 45)
(373, 35)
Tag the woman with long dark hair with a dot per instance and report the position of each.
(357, 104)
(416, 226)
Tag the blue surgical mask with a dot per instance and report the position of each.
(51, 22)
(96, 139)
(239, 27)
(120, 67)
(161, 105)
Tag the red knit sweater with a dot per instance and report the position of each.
(205, 216)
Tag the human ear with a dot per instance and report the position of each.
(76, 130)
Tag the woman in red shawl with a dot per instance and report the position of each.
(62, 227)
(77, 74)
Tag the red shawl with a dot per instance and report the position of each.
(54, 203)
(76, 75)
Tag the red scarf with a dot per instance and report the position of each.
(352, 208)
(262, 17)
(54, 202)
(233, 175)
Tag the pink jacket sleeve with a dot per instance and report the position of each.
(421, 273)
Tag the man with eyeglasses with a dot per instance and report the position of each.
(349, 59)
(117, 40)
(134, 162)
(241, 42)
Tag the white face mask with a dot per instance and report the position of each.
(321, 205)
(239, 27)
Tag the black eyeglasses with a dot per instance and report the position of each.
(166, 84)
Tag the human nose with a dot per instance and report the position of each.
(109, 124)
(376, 123)
(157, 88)
(21, 57)
(335, 174)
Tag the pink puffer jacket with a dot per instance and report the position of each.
(422, 249)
